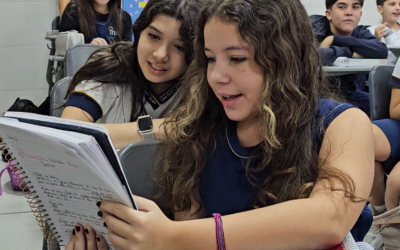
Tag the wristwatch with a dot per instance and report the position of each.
(145, 127)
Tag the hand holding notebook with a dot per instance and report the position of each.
(67, 172)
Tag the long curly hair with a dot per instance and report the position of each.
(280, 32)
(118, 64)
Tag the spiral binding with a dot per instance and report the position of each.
(49, 231)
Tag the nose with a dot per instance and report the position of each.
(161, 54)
(349, 12)
(218, 74)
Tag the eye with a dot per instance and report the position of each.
(238, 59)
(154, 37)
(211, 59)
(180, 48)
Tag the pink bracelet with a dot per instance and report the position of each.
(220, 232)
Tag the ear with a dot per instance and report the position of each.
(380, 9)
(328, 14)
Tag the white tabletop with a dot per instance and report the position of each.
(338, 70)
(19, 229)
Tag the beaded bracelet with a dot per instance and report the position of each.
(220, 232)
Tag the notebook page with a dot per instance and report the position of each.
(100, 128)
(64, 182)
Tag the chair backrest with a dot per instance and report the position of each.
(138, 161)
(55, 25)
(380, 91)
(77, 56)
(57, 96)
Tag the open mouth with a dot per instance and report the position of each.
(229, 100)
(156, 68)
(230, 97)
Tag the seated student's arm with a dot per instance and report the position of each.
(90, 101)
(69, 19)
(395, 99)
(368, 46)
(127, 27)
(61, 6)
(329, 55)
(319, 222)
(123, 134)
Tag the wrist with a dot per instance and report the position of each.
(159, 129)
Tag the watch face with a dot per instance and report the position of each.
(145, 123)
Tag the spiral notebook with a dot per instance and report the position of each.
(67, 167)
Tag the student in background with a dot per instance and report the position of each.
(102, 22)
(256, 141)
(61, 6)
(387, 157)
(131, 80)
(340, 36)
(390, 11)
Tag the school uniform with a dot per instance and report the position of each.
(104, 25)
(109, 103)
(360, 41)
(391, 128)
(392, 59)
(224, 186)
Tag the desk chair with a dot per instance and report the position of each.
(380, 91)
(57, 96)
(55, 24)
(138, 161)
(77, 56)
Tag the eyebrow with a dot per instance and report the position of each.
(155, 29)
(230, 48)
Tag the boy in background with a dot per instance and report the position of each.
(390, 11)
(340, 36)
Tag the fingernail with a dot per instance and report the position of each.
(73, 232)
(78, 228)
(105, 224)
(100, 213)
(98, 238)
(87, 231)
(98, 203)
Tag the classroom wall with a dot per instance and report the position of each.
(23, 51)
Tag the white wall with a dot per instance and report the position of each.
(23, 51)
(370, 15)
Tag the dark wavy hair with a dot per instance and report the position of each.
(119, 64)
(88, 16)
(280, 32)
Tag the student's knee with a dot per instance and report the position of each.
(393, 181)
(382, 145)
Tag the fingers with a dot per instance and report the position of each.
(116, 225)
(144, 204)
(101, 242)
(90, 234)
(98, 41)
(80, 239)
(71, 243)
(117, 241)
(117, 210)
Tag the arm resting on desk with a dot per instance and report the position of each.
(329, 55)
(366, 47)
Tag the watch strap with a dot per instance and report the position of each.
(147, 136)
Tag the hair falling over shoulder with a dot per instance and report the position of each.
(282, 36)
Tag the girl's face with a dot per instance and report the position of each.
(160, 50)
(232, 73)
(101, 2)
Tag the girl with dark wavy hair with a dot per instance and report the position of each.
(258, 144)
(102, 22)
(128, 80)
